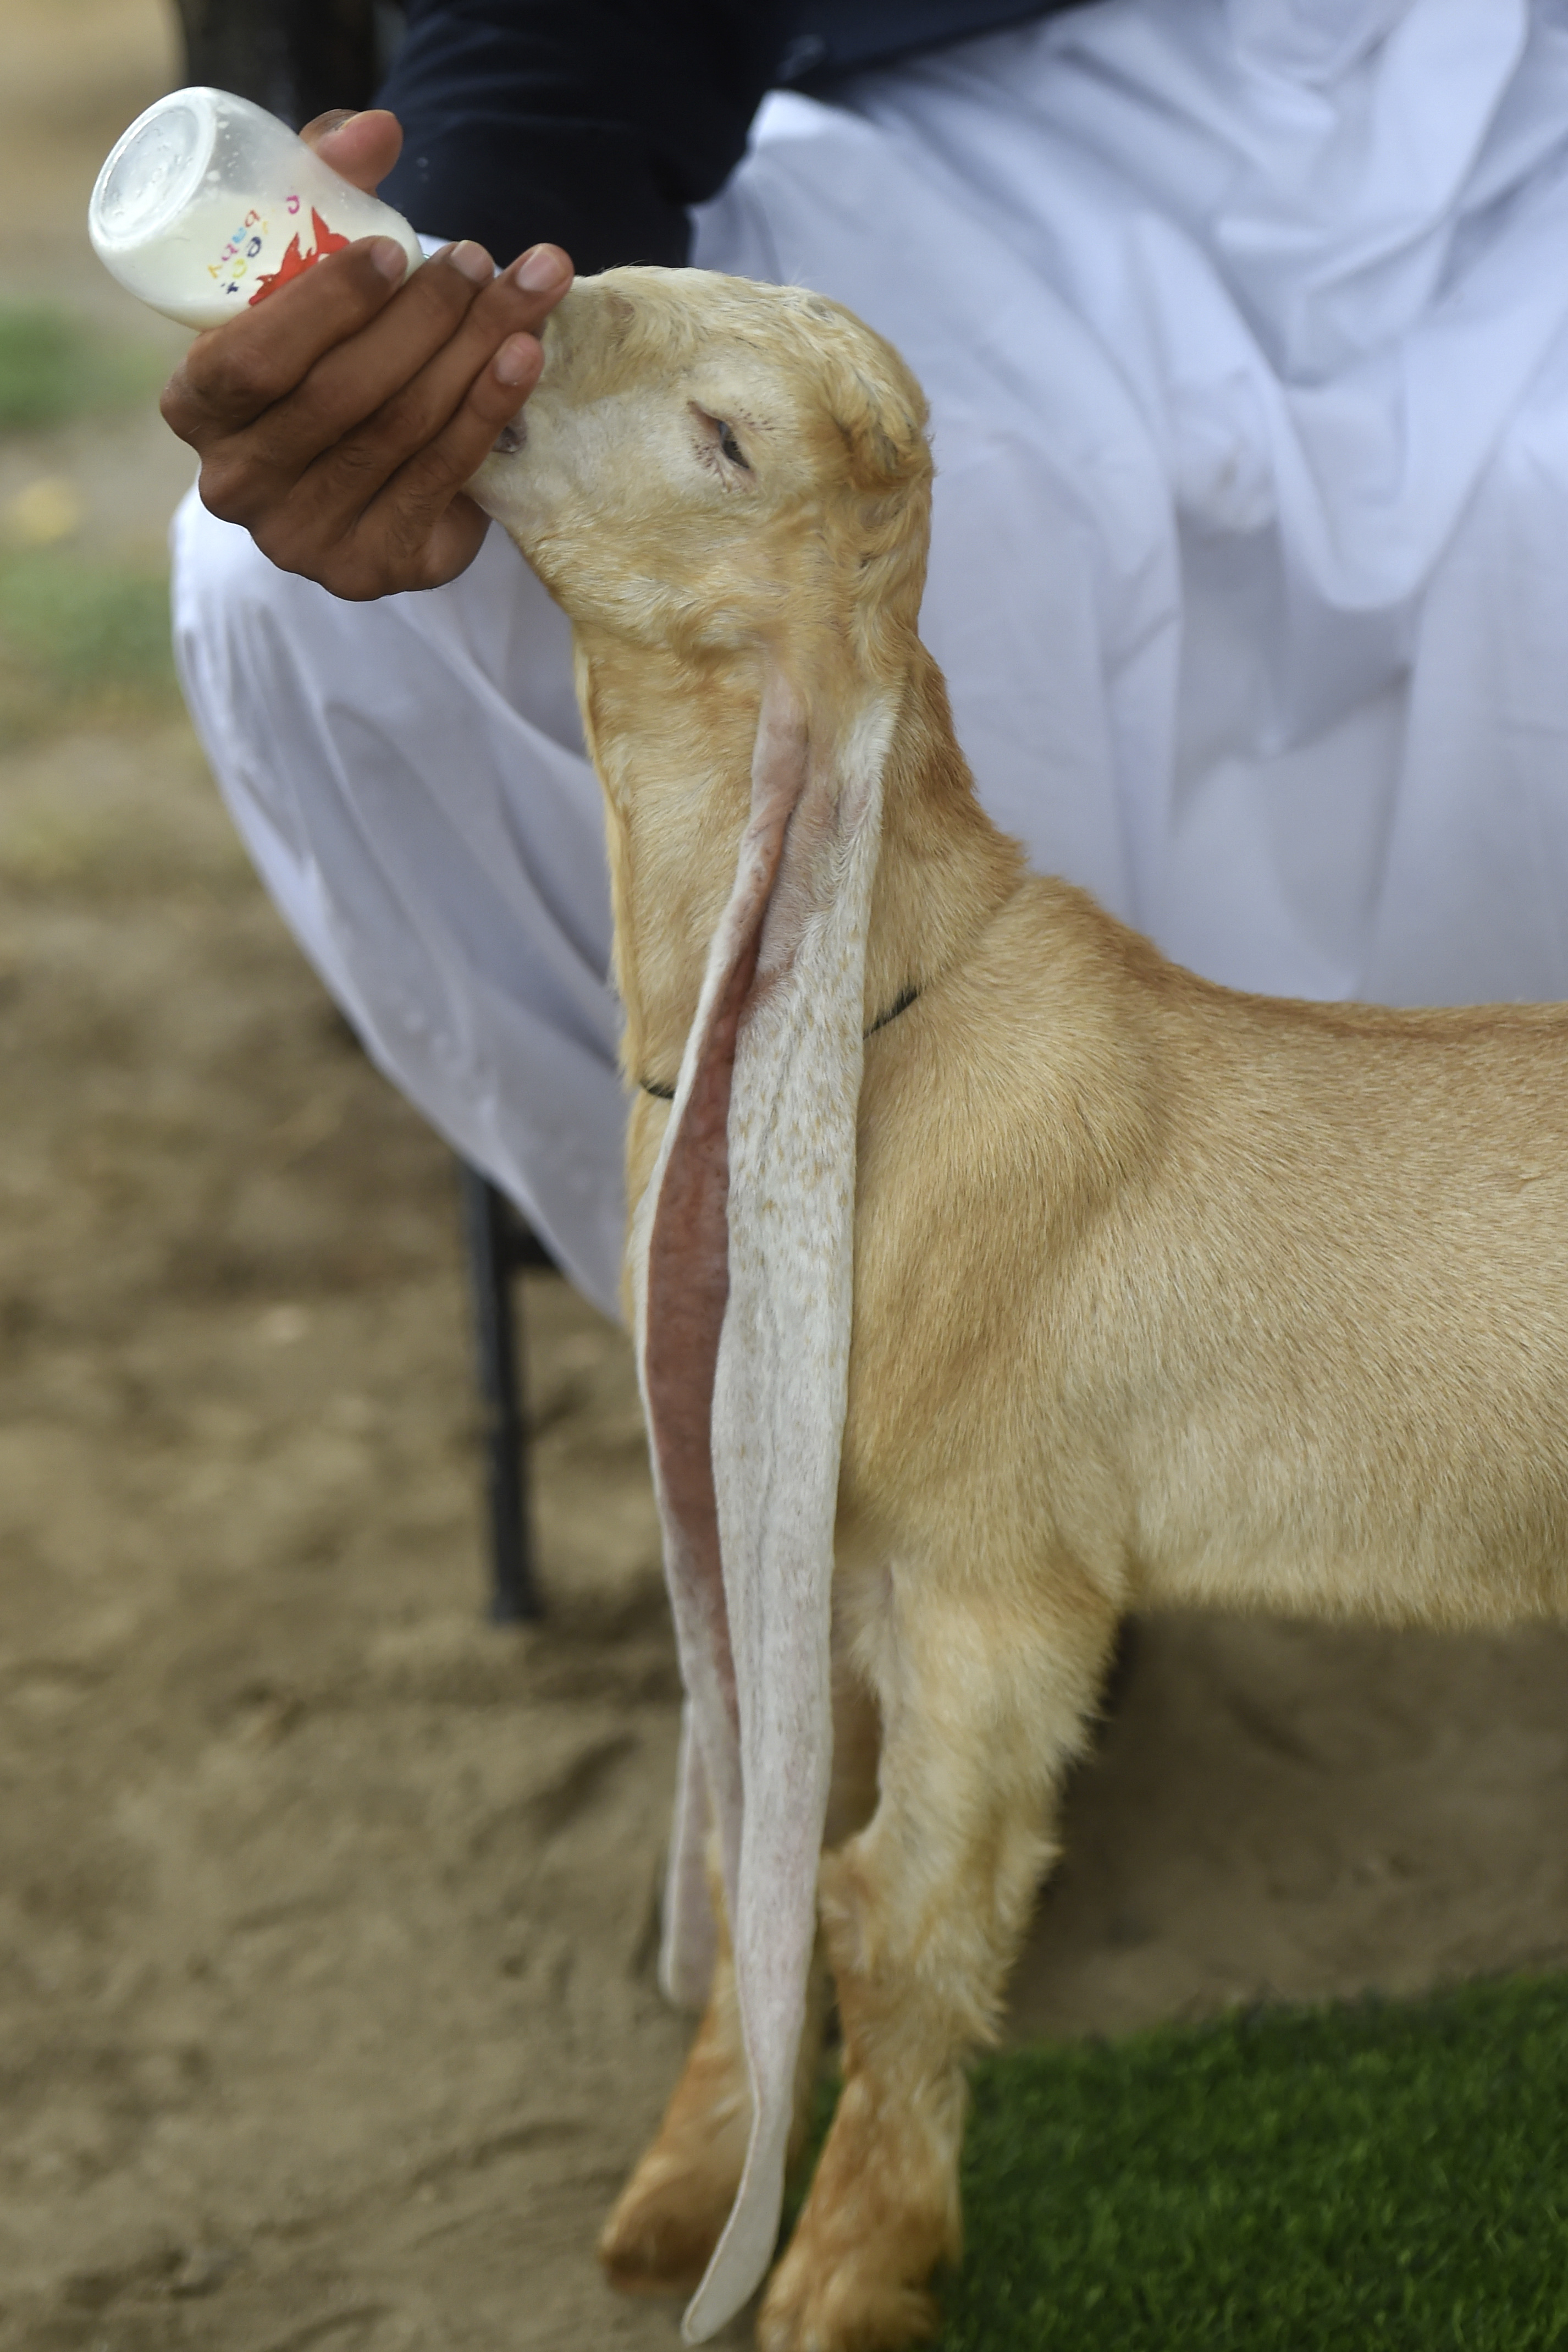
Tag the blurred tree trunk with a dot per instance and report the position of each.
(296, 58)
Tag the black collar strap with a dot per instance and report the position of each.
(900, 1004)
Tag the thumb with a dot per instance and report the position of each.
(361, 147)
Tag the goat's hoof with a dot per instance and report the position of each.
(850, 2308)
(660, 2237)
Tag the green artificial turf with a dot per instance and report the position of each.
(1377, 2176)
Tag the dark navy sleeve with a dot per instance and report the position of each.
(596, 123)
(593, 124)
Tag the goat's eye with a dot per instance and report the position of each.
(716, 439)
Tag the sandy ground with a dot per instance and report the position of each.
(327, 1913)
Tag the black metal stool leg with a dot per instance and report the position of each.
(494, 1248)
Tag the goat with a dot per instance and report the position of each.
(992, 1274)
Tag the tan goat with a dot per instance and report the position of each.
(1160, 1294)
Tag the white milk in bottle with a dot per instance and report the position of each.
(207, 204)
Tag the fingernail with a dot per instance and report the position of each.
(540, 269)
(389, 257)
(473, 261)
(515, 358)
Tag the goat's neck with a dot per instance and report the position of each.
(672, 740)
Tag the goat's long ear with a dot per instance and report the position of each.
(743, 1267)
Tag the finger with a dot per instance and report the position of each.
(234, 372)
(362, 395)
(353, 453)
(369, 564)
(418, 530)
(543, 271)
(341, 407)
(333, 119)
(362, 147)
(231, 377)
(453, 543)
(515, 302)
(408, 510)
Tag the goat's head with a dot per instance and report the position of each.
(705, 459)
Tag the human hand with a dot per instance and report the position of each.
(339, 420)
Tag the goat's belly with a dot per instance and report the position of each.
(1478, 1545)
(1355, 1410)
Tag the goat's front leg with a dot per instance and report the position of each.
(983, 1706)
(667, 2220)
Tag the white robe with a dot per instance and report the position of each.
(1245, 329)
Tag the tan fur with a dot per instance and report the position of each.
(1164, 1294)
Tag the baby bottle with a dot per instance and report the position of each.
(207, 204)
